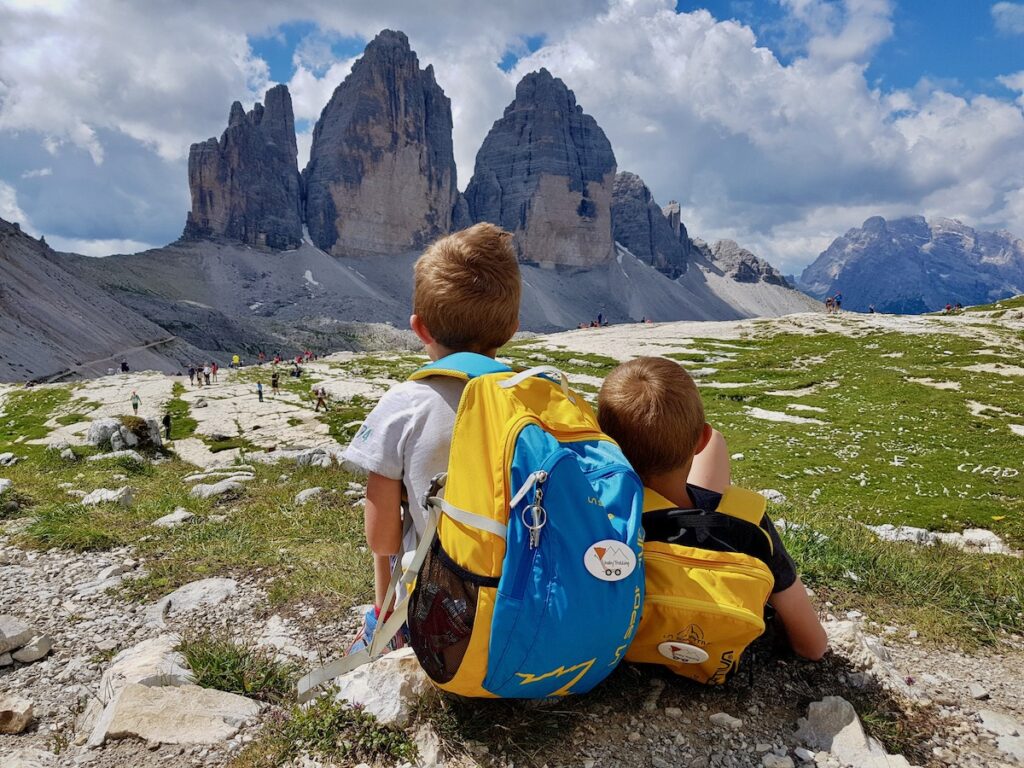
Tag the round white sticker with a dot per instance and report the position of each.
(683, 652)
(610, 560)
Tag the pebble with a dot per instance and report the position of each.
(725, 720)
(977, 691)
(774, 761)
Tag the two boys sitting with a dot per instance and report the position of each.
(466, 299)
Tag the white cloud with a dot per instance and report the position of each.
(9, 209)
(97, 247)
(37, 173)
(1009, 18)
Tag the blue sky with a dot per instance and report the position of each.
(858, 107)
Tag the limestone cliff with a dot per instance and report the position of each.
(545, 172)
(639, 224)
(381, 174)
(246, 186)
(742, 266)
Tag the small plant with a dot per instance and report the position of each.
(327, 730)
(218, 661)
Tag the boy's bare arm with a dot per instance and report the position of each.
(803, 629)
(710, 468)
(383, 515)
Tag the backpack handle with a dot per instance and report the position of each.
(540, 370)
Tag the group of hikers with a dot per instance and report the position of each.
(204, 374)
(834, 304)
(507, 475)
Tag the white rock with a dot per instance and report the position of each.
(15, 714)
(1012, 746)
(303, 497)
(130, 455)
(178, 517)
(832, 725)
(977, 691)
(122, 496)
(5, 485)
(6, 660)
(100, 431)
(774, 761)
(29, 758)
(774, 496)
(198, 594)
(805, 755)
(14, 633)
(203, 491)
(999, 723)
(8, 459)
(34, 649)
(152, 662)
(389, 688)
(183, 715)
(725, 720)
(68, 455)
(737, 457)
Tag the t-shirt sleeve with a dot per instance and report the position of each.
(782, 565)
(379, 445)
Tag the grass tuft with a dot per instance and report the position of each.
(69, 526)
(217, 661)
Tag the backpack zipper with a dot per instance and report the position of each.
(711, 564)
(706, 606)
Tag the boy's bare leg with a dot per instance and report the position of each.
(710, 468)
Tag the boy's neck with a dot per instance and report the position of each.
(437, 351)
(672, 485)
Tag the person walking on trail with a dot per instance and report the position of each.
(207, 372)
(136, 401)
(321, 399)
(275, 383)
(213, 369)
(167, 425)
(236, 361)
(261, 358)
(259, 390)
(192, 375)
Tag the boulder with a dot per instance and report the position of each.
(8, 459)
(34, 649)
(100, 431)
(29, 758)
(198, 594)
(121, 496)
(545, 172)
(1000, 724)
(178, 517)
(14, 633)
(68, 455)
(186, 714)
(153, 662)
(381, 176)
(389, 688)
(211, 490)
(15, 714)
(832, 725)
(247, 187)
(304, 497)
(130, 455)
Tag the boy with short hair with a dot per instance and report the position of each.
(466, 293)
(652, 408)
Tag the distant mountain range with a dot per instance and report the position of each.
(272, 258)
(911, 265)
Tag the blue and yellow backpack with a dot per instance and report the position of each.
(529, 580)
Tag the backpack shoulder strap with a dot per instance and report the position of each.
(744, 504)
(461, 365)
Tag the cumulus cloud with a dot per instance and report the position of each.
(1009, 18)
(9, 208)
(780, 156)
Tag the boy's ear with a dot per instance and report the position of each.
(705, 438)
(421, 330)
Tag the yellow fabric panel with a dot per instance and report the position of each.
(710, 600)
(744, 504)
(468, 681)
(426, 373)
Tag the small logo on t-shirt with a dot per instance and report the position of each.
(364, 433)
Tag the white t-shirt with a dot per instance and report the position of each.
(408, 437)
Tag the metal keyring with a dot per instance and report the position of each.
(540, 517)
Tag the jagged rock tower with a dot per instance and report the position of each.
(638, 223)
(247, 186)
(381, 174)
(545, 172)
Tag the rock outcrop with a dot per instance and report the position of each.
(247, 186)
(381, 174)
(743, 266)
(545, 172)
(640, 225)
(926, 265)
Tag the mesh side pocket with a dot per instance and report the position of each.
(442, 608)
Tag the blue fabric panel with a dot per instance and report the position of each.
(468, 363)
(556, 628)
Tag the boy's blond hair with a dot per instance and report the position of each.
(651, 408)
(466, 289)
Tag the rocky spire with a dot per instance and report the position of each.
(545, 172)
(639, 224)
(246, 186)
(381, 173)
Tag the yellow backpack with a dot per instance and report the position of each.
(708, 580)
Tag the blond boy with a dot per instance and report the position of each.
(651, 407)
(465, 299)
